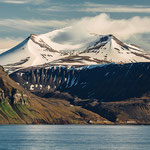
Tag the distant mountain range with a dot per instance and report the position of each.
(52, 50)
(107, 78)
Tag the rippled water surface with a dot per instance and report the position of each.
(74, 137)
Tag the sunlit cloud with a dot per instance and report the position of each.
(55, 9)
(89, 7)
(9, 42)
(103, 24)
(92, 7)
(131, 29)
(31, 25)
(14, 2)
(22, 1)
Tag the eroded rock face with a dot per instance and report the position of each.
(2, 95)
(17, 106)
(112, 82)
(113, 91)
(14, 97)
(8, 90)
(20, 97)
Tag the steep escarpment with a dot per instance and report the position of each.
(117, 92)
(18, 106)
(107, 83)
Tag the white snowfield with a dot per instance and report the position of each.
(59, 47)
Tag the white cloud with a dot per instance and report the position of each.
(92, 7)
(54, 9)
(122, 28)
(22, 1)
(97, 8)
(13, 2)
(131, 29)
(31, 25)
(140, 40)
(9, 42)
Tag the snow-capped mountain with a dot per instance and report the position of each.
(59, 47)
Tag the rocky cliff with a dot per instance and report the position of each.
(117, 92)
(107, 83)
(18, 106)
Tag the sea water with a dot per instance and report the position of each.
(74, 137)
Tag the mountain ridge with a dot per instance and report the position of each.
(48, 49)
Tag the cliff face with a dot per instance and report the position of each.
(18, 106)
(107, 83)
(117, 92)
(10, 91)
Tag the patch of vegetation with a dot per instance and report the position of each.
(6, 108)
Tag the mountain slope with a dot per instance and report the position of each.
(60, 48)
(111, 49)
(27, 53)
(17, 106)
(107, 82)
(118, 92)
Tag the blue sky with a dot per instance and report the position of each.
(20, 18)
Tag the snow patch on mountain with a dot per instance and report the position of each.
(62, 47)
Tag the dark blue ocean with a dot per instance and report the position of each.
(74, 137)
